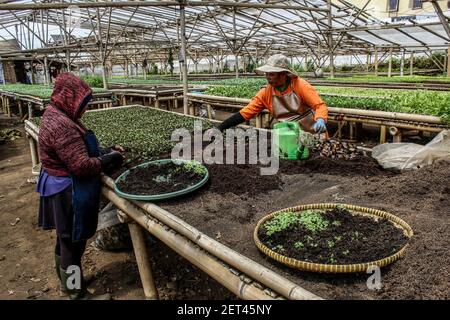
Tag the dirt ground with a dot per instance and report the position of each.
(231, 206)
(227, 212)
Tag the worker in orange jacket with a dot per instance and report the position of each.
(287, 97)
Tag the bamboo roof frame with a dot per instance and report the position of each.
(211, 26)
(124, 32)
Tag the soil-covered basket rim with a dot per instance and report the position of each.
(161, 196)
(334, 268)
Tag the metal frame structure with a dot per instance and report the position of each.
(124, 32)
(136, 32)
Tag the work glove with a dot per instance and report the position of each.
(320, 126)
(116, 147)
(111, 161)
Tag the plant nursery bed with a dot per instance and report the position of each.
(334, 236)
(237, 197)
(162, 177)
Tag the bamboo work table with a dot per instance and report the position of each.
(7, 98)
(244, 277)
(393, 122)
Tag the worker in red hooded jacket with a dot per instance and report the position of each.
(69, 182)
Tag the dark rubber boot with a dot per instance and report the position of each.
(79, 293)
(62, 291)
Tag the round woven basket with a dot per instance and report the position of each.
(334, 268)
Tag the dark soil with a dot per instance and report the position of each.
(239, 179)
(158, 179)
(347, 239)
(359, 166)
(237, 197)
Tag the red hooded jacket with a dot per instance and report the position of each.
(61, 146)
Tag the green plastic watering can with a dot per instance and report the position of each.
(288, 133)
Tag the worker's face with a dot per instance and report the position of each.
(276, 79)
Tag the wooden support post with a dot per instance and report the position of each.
(175, 103)
(411, 63)
(402, 63)
(448, 62)
(33, 151)
(330, 38)
(367, 62)
(396, 134)
(259, 121)
(382, 134)
(30, 110)
(390, 63)
(267, 121)
(156, 102)
(19, 104)
(8, 107)
(143, 262)
(376, 61)
(208, 108)
(351, 126)
(46, 73)
(184, 58)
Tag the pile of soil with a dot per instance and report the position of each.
(241, 179)
(348, 238)
(159, 179)
(360, 165)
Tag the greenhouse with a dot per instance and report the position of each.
(224, 150)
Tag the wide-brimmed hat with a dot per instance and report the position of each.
(277, 63)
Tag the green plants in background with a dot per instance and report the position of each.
(93, 81)
(35, 90)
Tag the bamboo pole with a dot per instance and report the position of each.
(368, 113)
(330, 38)
(387, 115)
(386, 123)
(121, 4)
(261, 274)
(143, 261)
(390, 63)
(33, 150)
(396, 133)
(8, 107)
(30, 110)
(448, 62)
(382, 134)
(259, 121)
(376, 61)
(20, 106)
(402, 63)
(189, 251)
(209, 110)
(184, 58)
(46, 74)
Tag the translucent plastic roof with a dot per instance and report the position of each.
(252, 27)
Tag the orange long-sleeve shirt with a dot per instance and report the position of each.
(306, 92)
